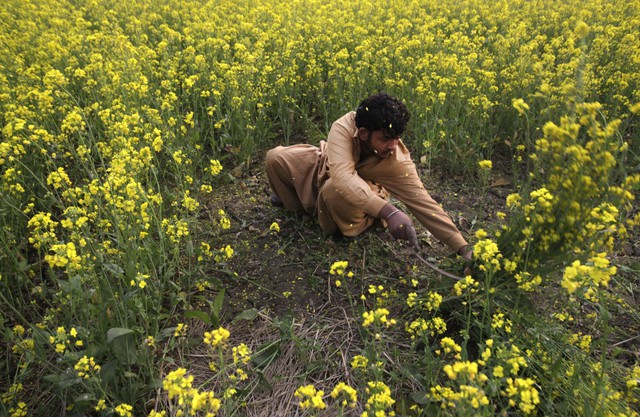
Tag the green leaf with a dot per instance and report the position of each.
(197, 314)
(115, 332)
(109, 372)
(167, 333)
(74, 283)
(156, 383)
(266, 355)
(189, 248)
(217, 303)
(124, 349)
(115, 269)
(65, 380)
(82, 398)
(310, 367)
(420, 398)
(635, 267)
(215, 282)
(51, 378)
(248, 315)
(216, 308)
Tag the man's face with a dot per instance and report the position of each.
(379, 142)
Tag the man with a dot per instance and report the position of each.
(347, 180)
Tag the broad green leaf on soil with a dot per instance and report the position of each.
(117, 332)
(217, 302)
(197, 314)
(248, 315)
(64, 380)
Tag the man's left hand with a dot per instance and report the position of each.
(466, 253)
(401, 227)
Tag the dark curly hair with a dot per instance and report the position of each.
(383, 112)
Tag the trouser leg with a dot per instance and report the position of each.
(291, 175)
(335, 213)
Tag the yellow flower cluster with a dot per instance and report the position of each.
(421, 327)
(522, 393)
(11, 181)
(338, 267)
(431, 303)
(224, 254)
(473, 387)
(179, 388)
(487, 252)
(43, 228)
(214, 167)
(633, 385)
(596, 273)
(176, 229)
(524, 279)
(140, 280)
(359, 361)
(582, 341)
(189, 203)
(241, 354)
(467, 283)
(520, 105)
(10, 396)
(113, 113)
(223, 222)
(468, 370)
(205, 251)
(379, 400)
(449, 346)
(377, 317)
(86, 366)
(310, 398)
(579, 205)
(348, 395)
(217, 337)
(468, 394)
(62, 339)
(64, 256)
(412, 299)
(19, 410)
(58, 179)
(498, 321)
(485, 164)
(124, 410)
(180, 330)
(382, 295)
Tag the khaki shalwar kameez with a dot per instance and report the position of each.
(346, 193)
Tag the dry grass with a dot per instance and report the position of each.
(316, 348)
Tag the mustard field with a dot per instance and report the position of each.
(124, 123)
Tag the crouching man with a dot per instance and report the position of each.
(346, 181)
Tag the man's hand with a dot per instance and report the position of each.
(466, 253)
(401, 227)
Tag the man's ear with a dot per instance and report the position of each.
(363, 133)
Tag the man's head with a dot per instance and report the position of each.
(383, 112)
(381, 120)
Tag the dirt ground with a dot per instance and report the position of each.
(307, 327)
(288, 271)
(302, 324)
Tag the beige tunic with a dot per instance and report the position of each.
(346, 193)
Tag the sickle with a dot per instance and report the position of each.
(435, 268)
